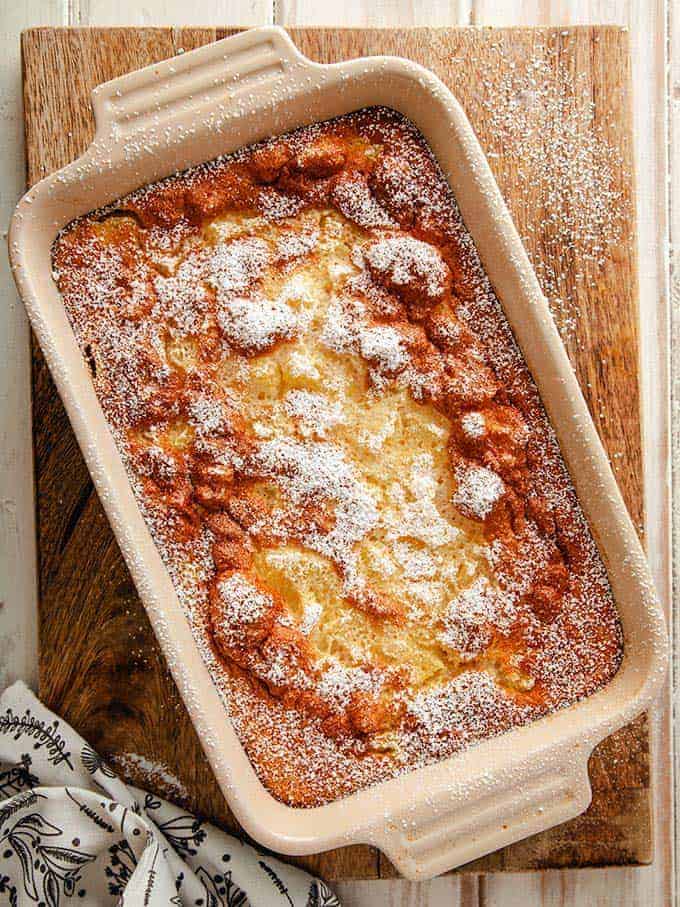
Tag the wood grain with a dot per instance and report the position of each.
(674, 244)
(18, 598)
(100, 666)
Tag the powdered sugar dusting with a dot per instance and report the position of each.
(151, 775)
(473, 424)
(547, 138)
(320, 412)
(473, 700)
(353, 197)
(472, 614)
(312, 470)
(478, 490)
(385, 346)
(407, 260)
(254, 324)
(234, 266)
(338, 683)
(241, 603)
(316, 414)
(293, 245)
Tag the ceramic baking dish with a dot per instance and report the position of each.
(211, 101)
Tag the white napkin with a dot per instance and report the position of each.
(71, 832)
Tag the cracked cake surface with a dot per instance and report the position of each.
(340, 454)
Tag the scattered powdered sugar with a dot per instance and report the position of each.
(550, 141)
(157, 462)
(253, 324)
(337, 683)
(310, 617)
(283, 669)
(341, 324)
(423, 592)
(315, 413)
(311, 470)
(473, 424)
(293, 244)
(375, 440)
(478, 490)
(207, 415)
(182, 298)
(408, 262)
(301, 366)
(384, 346)
(346, 329)
(152, 775)
(263, 429)
(276, 206)
(319, 484)
(472, 702)
(468, 616)
(416, 513)
(235, 266)
(356, 201)
(416, 563)
(306, 468)
(242, 604)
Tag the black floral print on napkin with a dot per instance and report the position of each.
(72, 832)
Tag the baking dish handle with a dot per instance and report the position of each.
(506, 812)
(208, 80)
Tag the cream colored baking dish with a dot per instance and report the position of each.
(190, 109)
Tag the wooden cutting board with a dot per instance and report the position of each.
(552, 110)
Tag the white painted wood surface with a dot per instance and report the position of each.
(673, 88)
(655, 40)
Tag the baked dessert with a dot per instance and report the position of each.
(340, 453)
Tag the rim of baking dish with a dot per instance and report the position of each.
(189, 109)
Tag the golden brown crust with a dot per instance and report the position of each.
(184, 299)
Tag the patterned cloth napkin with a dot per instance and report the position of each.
(71, 832)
